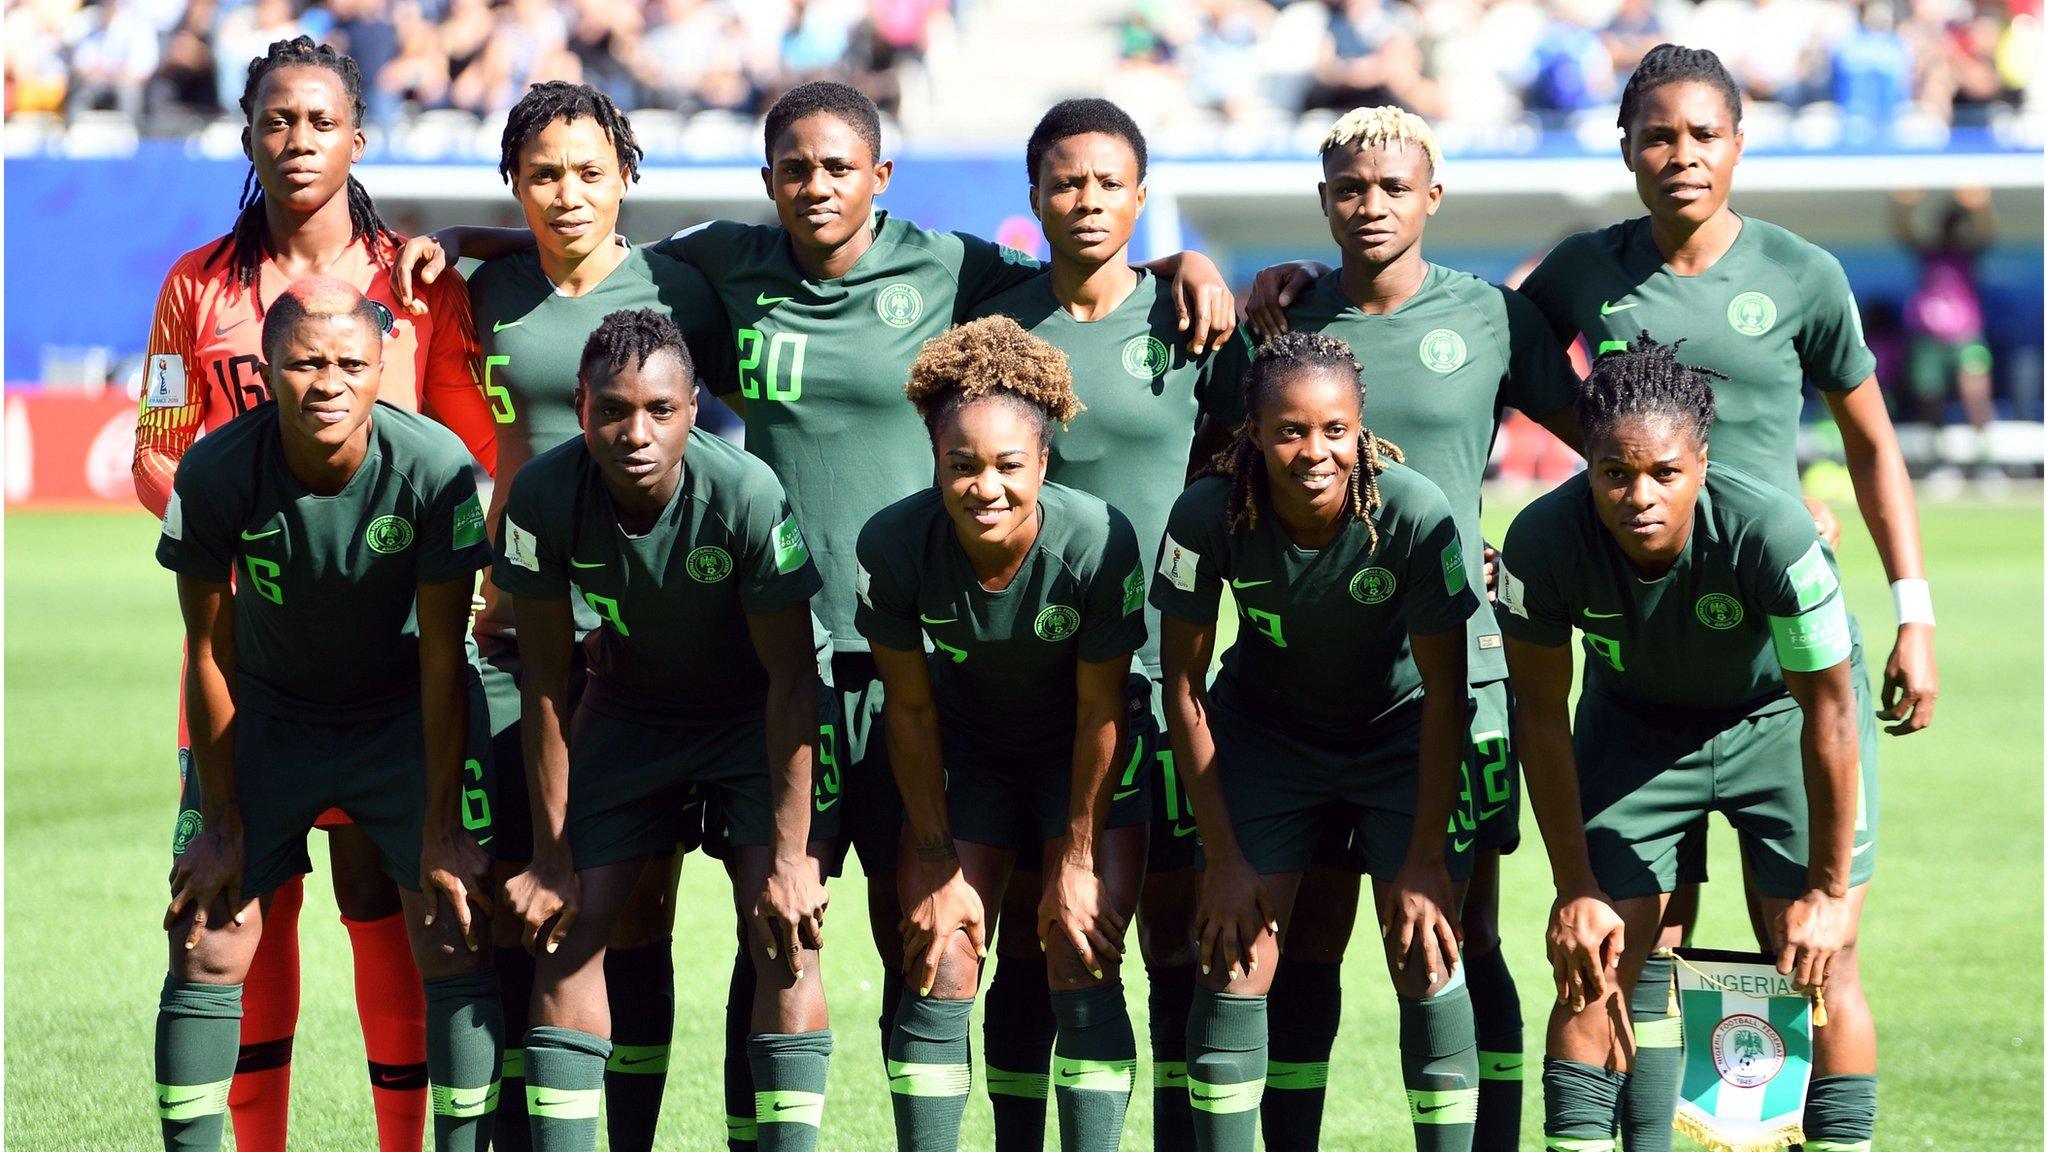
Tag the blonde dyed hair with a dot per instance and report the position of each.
(1386, 124)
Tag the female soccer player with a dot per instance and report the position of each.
(569, 156)
(1031, 595)
(303, 213)
(701, 672)
(1768, 311)
(1344, 691)
(1146, 396)
(1722, 674)
(330, 674)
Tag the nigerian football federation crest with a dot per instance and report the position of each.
(709, 564)
(1372, 586)
(1748, 1052)
(1057, 623)
(899, 305)
(1719, 611)
(1443, 351)
(386, 322)
(1752, 313)
(388, 535)
(188, 827)
(1145, 357)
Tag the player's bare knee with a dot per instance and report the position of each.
(959, 970)
(1065, 971)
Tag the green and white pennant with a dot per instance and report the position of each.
(1748, 1052)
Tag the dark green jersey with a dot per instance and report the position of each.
(324, 624)
(1144, 393)
(1755, 591)
(1438, 371)
(673, 646)
(1772, 312)
(533, 338)
(1322, 643)
(822, 365)
(1003, 663)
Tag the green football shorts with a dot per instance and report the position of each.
(828, 786)
(630, 785)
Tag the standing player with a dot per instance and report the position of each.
(333, 676)
(1345, 693)
(1722, 674)
(569, 156)
(702, 672)
(306, 215)
(828, 309)
(1449, 352)
(1009, 733)
(1767, 311)
(1145, 397)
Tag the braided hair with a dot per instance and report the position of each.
(993, 358)
(553, 100)
(1676, 64)
(1645, 380)
(248, 245)
(627, 339)
(1243, 462)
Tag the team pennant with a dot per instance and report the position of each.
(1748, 1052)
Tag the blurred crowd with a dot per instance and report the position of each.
(1868, 63)
(171, 64)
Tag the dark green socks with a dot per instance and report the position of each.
(1095, 1061)
(1497, 1018)
(1841, 1113)
(1303, 1010)
(1649, 1098)
(740, 1129)
(1578, 1106)
(1016, 1050)
(198, 1035)
(640, 986)
(929, 1072)
(1226, 1045)
(789, 1101)
(465, 1045)
(1440, 1066)
(564, 1087)
(515, 983)
(1169, 993)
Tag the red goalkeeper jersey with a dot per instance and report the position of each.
(205, 363)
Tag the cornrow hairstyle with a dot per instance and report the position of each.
(627, 339)
(1645, 380)
(1243, 462)
(317, 296)
(248, 245)
(1375, 127)
(848, 103)
(1675, 64)
(1079, 118)
(553, 100)
(993, 358)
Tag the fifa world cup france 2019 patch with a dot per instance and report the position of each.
(861, 583)
(469, 523)
(174, 517)
(166, 387)
(1178, 563)
(790, 550)
(1512, 593)
(520, 546)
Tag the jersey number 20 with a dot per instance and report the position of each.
(765, 359)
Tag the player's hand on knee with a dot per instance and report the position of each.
(947, 904)
(209, 874)
(1584, 944)
(1911, 683)
(1421, 923)
(1812, 931)
(454, 870)
(547, 899)
(1076, 905)
(1231, 911)
(789, 913)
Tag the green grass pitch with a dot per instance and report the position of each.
(1952, 941)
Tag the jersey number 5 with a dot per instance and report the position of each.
(500, 396)
(759, 380)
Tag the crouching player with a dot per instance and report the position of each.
(1722, 674)
(1344, 696)
(331, 676)
(701, 672)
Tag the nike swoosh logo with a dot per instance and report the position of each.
(1176, 1076)
(555, 1103)
(1592, 615)
(792, 1107)
(390, 1079)
(1181, 830)
(1120, 795)
(929, 620)
(580, 564)
(763, 299)
(1426, 1109)
(1608, 308)
(220, 331)
(500, 325)
(628, 1063)
(248, 535)
(1069, 1074)
(1236, 583)
(1460, 845)
(1860, 849)
(1194, 1095)
(182, 1103)
(1499, 1067)
(825, 804)
(1489, 814)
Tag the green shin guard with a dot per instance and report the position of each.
(198, 1036)
(1302, 1012)
(1095, 1062)
(640, 984)
(1841, 1113)
(929, 1072)
(465, 1048)
(1440, 1066)
(789, 1100)
(1497, 1019)
(741, 1132)
(564, 1087)
(1649, 1098)
(1226, 1069)
(1578, 1106)
(1016, 1050)
(1168, 995)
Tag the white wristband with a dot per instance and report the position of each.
(1912, 602)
